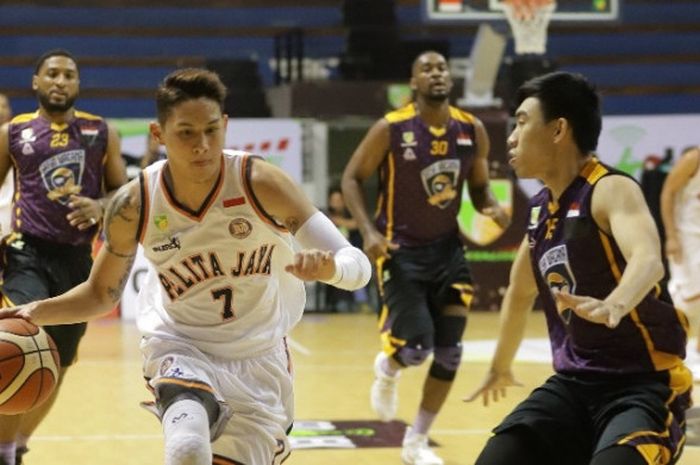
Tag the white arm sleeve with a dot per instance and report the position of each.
(352, 267)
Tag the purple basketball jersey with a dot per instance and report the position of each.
(423, 175)
(569, 251)
(52, 162)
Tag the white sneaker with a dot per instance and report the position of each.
(415, 450)
(384, 395)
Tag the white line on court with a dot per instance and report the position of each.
(298, 347)
(152, 437)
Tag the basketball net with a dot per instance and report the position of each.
(528, 20)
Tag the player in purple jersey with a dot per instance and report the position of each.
(592, 253)
(424, 153)
(66, 162)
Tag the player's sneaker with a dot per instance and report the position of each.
(384, 394)
(415, 450)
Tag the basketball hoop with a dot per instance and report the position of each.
(528, 20)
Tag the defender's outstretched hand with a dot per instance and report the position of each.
(493, 386)
(591, 309)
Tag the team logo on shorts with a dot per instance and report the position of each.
(165, 365)
(240, 228)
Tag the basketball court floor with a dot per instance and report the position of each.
(97, 419)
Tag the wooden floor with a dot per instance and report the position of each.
(97, 420)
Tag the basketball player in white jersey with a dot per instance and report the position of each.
(680, 212)
(225, 285)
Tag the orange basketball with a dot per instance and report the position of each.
(29, 366)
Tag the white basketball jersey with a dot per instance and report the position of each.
(216, 278)
(688, 206)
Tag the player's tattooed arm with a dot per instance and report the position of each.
(115, 292)
(122, 220)
(278, 196)
(121, 226)
(292, 224)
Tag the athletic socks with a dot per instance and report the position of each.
(186, 429)
(7, 452)
(423, 422)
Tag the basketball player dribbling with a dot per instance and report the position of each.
(222, 232)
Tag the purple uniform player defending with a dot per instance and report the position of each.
(592, 253)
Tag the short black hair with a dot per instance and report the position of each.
(56, 52)
(569, 96)
(188, 84)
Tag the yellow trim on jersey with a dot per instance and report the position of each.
(390, 198)
(437, 132)
(390, 344)
(5, 302)
(402, 114)
(24, 117)
(460, 115)
(593, 170)
(86, 115)
(661, 360)
(466, 293)
(654, 454)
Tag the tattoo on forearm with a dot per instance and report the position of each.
(292, 224)
(120, 255)
(123, 207)
(116, 293)
(120, 205)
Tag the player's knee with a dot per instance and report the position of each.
(414, 352)
(186, 430)
(168, 394)
(446, 361)
(187, 449)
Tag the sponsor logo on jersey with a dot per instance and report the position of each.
(165, 365)
(408, 139)
(534, 217)
(409, 154)
(161, 222)
(555, 268)
(27, 135)
(440, 182)
(240, 228)
(172, 244)
(63, 174)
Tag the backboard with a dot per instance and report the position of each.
(460, 11)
